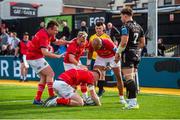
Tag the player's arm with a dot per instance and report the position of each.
(123, 43)
(46, 53)
(89, 53)
(93, 95)
(142, 40)
(61, 42)
(124, 40)
(72, 59)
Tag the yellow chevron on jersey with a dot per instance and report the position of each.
(103, 36)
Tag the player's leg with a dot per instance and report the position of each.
(49, 74)
(130, 88)
(136, 78)
(26, 66)
(66, 95)
(116, 67)
(40, 89)
(101, 82)
(100, 64)
(25, 74)
(22, 71)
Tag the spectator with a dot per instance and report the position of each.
(113, 32)
(3, 50)
(65, 31)
(15, 40)
(84, 27)
(10, 38)
(4, 37)
(10, 50)
(21, 49)
(161, 47)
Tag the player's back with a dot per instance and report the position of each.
(135, 32)
(74, 77)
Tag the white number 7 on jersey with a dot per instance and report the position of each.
(136, 35)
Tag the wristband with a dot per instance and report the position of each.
(120, 49)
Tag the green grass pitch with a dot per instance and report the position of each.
(16, 103)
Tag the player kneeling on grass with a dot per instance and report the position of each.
(65, 88)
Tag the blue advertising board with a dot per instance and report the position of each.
(153, 72)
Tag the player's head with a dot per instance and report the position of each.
(126, 14)
(52, 28)
(99, 28)
(83, 23)
(26, 36)
(109, 25)
(97, 74)
(81, 37)
(97, 43)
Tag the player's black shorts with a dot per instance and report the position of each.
(130, 58)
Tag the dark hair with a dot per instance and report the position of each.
(99, 24)
(51, 24)
(127, 11)
(26, 33)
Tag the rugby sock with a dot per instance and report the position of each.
(40, 91)
(121, 97)
(50, 89)
(101, 84)
(131, 88)
(63, 101)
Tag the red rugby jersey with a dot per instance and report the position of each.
(75, 49)
(40, 40)
(75, 77)
(107, 49)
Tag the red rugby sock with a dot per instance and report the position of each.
(40, 91)
(63, 101)
(50, 89)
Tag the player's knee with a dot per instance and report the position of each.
(51, 74)
(130, 85)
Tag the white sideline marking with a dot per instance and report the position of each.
(16, 101)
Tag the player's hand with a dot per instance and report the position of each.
(83, 67)
(117, 57)
(60, 56)
(107, 68)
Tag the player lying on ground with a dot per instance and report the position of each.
(65, 88)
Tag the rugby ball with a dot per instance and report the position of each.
(89, 101)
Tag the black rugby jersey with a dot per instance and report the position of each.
(134, 31)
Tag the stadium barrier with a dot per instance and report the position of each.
(153, 72)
